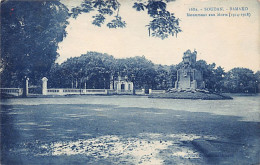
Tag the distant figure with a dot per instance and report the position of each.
(188, 77)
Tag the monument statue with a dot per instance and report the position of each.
(187, 76)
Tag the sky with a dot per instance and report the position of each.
(227, 41)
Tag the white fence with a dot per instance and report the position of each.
(60, 91)
(111, 91)
(156, 91)
(12, 91)
(76, 91)
(140, 91)
(70, 91)
(124, 92)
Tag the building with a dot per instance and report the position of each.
(187, 76)
(122, 85)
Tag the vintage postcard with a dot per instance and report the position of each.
(147, 82)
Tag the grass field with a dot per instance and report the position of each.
(54, 132)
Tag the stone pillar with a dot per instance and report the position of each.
(44, 86)
(176, 85)
(194, 85)
(118, 87)
(26, 87)
(132, 86)
(176, 82)
(111, 85)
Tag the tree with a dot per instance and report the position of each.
(96, 69)
(257, 77)
(142, 69)
(161, 78)
(30, 33)
(240, 80)
(173, 75)
(208, 73)
(162, 25)
(218, 79)
(92, 68)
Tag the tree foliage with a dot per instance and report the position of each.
(162, 78)
(104, 8)
(208, 72)
(30, 33)
(96, 69)
(257, 77)
(172, 78)
(162, 25)
(92, 68)
(139, 69)
(240, 80)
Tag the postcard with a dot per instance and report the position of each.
(130, 82)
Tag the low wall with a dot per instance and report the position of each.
(76, 91)
(70, 91)
(111, 91)
(151, 91)
(139, 91)
(124, 92)
(12, 91)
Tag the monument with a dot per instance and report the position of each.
(189, 78)
(189, 83)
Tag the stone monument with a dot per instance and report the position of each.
(189, 78)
